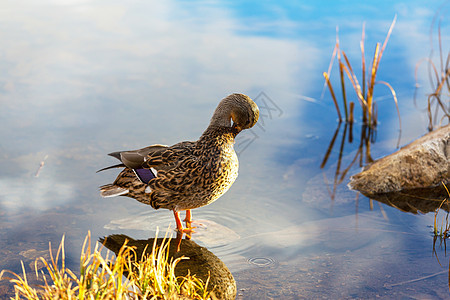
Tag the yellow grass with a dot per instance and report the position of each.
(444, 232)
(152, 276)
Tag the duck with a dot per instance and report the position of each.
(189, 174)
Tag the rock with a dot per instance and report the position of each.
(423, 163)
(201, 263)
(33, 257)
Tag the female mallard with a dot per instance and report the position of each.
(186, 175)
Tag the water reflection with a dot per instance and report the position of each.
(85, 77)
(442, 244)
(362, 155)
(201, 262)
(423, 200)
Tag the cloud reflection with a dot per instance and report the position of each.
(76, 72)
(34, 193)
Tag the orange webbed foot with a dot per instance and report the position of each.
(186, 230)
(188, 220)
(189, 229)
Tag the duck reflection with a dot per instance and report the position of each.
(202, 263)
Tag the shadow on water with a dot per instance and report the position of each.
(200, 261)
(415, 201)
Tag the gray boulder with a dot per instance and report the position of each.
(423, 163)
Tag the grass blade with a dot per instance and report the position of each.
(363, 61)
(330, 87)
(394, 96)
(341, 73)
(330, 66)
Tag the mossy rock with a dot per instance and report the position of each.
(201, 263)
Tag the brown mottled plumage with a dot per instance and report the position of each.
(186, 175)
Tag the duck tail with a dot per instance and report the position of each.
(110, 190)
(112, 167)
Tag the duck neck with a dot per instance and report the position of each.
(219, 134)
(222, 114)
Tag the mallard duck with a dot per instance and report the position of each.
(186, 175)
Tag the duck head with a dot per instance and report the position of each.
(237, 111)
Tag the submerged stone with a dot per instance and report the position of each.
(424, 163)
(201, 263)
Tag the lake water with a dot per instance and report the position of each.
(80, 79)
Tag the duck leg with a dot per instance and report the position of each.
(180, 228)
(188, 218)
(189, 221)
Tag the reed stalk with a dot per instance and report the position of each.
(365, 90)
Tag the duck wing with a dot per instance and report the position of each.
(168, 158)
(133, 159)
(143, 165)
(159, 157)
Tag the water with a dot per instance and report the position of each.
(81, 79)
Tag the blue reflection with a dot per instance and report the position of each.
(80, 78)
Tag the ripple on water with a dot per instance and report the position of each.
(261, 261)
(219, 230)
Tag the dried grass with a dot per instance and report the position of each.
(152, 276)
(365, 91)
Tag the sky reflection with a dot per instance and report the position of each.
(81, 79)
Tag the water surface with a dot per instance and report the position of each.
(81, 79)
